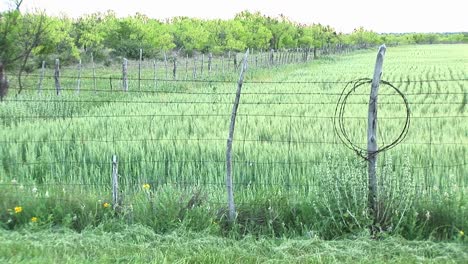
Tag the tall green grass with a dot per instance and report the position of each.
(292, 174)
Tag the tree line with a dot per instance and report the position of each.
(26, 39)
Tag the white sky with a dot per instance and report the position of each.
(344, 16)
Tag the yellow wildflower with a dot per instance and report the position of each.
(34, 219)
(146, 186)
(461, 233)
(18, 209)
(106, 205)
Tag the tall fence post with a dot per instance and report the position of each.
(139, 69)
(272, 57)
(125, 75)
(3, 83)
(372, 148)
(174, 69)
(186, 66)
(57, 76)
(210, 61)
(78, 82)
(155, 67)
(115, 183)
(202, 64)
(222, 64)
(229, 187)
(41, 79)
(94, 71)
(194, 75)
(165, 64)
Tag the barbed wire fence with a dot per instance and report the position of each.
(286, 164)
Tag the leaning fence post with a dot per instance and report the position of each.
(57, 76)
(372, 148)
(229, 187)
(115, 183)
(125, 75)
(41, 78)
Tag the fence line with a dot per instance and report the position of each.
(119, 77)
(155, 82)
(218, 103)
(252, 93)
(222, 162)
(72, 116)
(81, 140)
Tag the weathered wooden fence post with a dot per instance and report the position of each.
(229, 187)
(165, 64)
(228, 60)
(202, 64)
(174, 69)
(115, 183)
(210, 60)
(235, 61)
(57, 76)
(78, 82)
(194, 75)
(94, 72)
(139, 69)
(372, 147)
(222, 64)
(155, 68)
(272, 57)
(125, 75)
(3, 82)
(41, 78)
(186, 66)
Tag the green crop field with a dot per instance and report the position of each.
(293, 177)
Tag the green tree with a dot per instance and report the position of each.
(189, 34)
(258, 35)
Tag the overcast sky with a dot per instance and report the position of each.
(344, 16)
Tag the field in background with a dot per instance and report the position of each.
(292, 175)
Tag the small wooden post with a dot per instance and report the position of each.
(3, 82)
(155, 74)
(210, 60)
(229, 59)
(115, 183)
(41, 79)
(372, 147)
(94, 72)
(186, 66)
(202, 64)
(174, 70)
(165, 64)
(222, 64)
(125, 75)
(272, 57)
(194, 67)
(139, 69)
(57, 76)
(229, 187)
(235, 61)
(78, 82)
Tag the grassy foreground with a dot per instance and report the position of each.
(138, 244)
